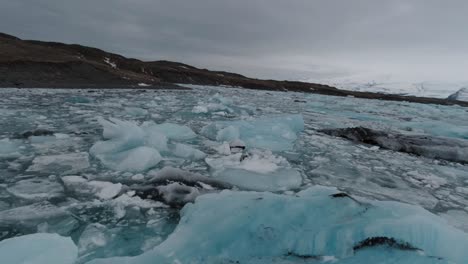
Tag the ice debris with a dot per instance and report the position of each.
(99, 189)
(176, 187)
(255, 170)
(219, 105)
(130, 147)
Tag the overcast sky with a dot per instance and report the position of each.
(281, 39)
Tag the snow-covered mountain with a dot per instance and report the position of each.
(460, 95)
(392, 85)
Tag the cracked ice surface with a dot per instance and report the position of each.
(103, 175)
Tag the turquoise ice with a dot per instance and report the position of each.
(245, 226)
(273, 133)
(38, 249)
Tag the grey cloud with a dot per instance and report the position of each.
(265, 38)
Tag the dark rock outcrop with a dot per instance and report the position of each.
(37, 132)
(384, 241)
(176, 187)
(449, 149)
(460, 95)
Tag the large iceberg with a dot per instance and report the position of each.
(274, 133)
(38, 249)
(241, 227)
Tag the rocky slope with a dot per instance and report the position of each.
(35, 64)
(460, 95)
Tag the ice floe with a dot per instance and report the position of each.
(130, 147)
(36, 189)
(187, 152)
(274, 133)
(99, 189)
(136, 111)
(136, 159)
(9, 149)
(38, 249)
(65, 163)
(173, 131)
(255, 170)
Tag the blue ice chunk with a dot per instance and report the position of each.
(255, 170)
(135, 160)
(246, 226)
(129, 147)
(125, 148)
(136, 111)
(78, 100)
(38, 249)
(187, 152)
(274, 133)
(156, 139)
(9, 149)
(174, 131)
(121, 135)
(228, 133)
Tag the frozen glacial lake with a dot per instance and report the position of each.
(116, 172)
